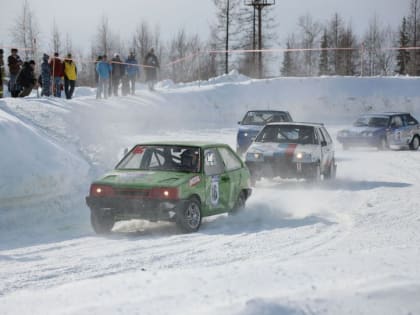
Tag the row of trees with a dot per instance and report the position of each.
(315, 48)
(334, 49)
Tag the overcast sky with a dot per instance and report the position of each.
(80, 18)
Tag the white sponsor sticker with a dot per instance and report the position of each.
(194, 181)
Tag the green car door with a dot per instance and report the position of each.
(233, 170)
(217, 182)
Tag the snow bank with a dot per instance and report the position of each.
(37, 176)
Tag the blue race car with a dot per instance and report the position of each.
(253, 122)
(385, 130)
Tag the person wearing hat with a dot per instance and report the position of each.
(70, 76)
(133, 71)
(152, 63)
(15, 63)
(1, 72)
(103, 69)
(46, 76)
(118, 70)
(26, 78)
(57, 71)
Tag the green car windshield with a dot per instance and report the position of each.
(162, 157)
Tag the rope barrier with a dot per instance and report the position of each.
(362, 48)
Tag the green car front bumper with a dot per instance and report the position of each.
(145, 209)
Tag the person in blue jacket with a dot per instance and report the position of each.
(103, 69)
(45, 76)
(133, 71)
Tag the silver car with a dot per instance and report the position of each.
(292, 150)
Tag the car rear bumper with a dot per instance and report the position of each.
(126, 208)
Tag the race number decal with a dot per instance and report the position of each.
(214, 191)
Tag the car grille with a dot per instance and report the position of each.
(279, 161)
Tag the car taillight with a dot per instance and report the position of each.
(101, 191)
(164, 193)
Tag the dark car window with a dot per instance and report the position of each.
(396, 122)
(372, 121)
(410, 120)
(260, 118)
(230, 159)
(213, 164)
(326, 135)
(165, 158)
(287, 134)
(321, 135)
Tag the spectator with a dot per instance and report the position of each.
(70, 76)
(45, 76)
(57, 70)
(1, 72)
(152, 64)
(96, 73)
(104, 69)
(15, 63)
(118, 70)
(26, 78)
(133, 71)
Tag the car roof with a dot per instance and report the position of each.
(200, 144)
(309, 124)
(268, 111)
(386, 114)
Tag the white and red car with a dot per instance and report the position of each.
(292, 150)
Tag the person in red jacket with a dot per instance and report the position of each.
(57, 72)
(15, 63)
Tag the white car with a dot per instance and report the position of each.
(292, 150)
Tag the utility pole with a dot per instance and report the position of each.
(227, 38)
(259, 5)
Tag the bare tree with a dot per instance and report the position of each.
(378, 61)
(184, 52)
(310, 34)
(25, 31)
(105, 39)
(68, 44)
(55, 38)
(143, 39)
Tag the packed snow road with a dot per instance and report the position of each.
(349, 246)
(345, 246)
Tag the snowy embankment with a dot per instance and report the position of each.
(346, 247)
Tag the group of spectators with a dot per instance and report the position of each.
(22, 78)
(110, 74)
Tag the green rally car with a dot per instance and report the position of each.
(180, 182)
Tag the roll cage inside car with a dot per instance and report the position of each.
(162, 157)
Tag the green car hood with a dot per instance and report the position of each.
(145, 179)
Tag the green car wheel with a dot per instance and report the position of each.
(189, 216)
(101, 224)
(239, 205)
